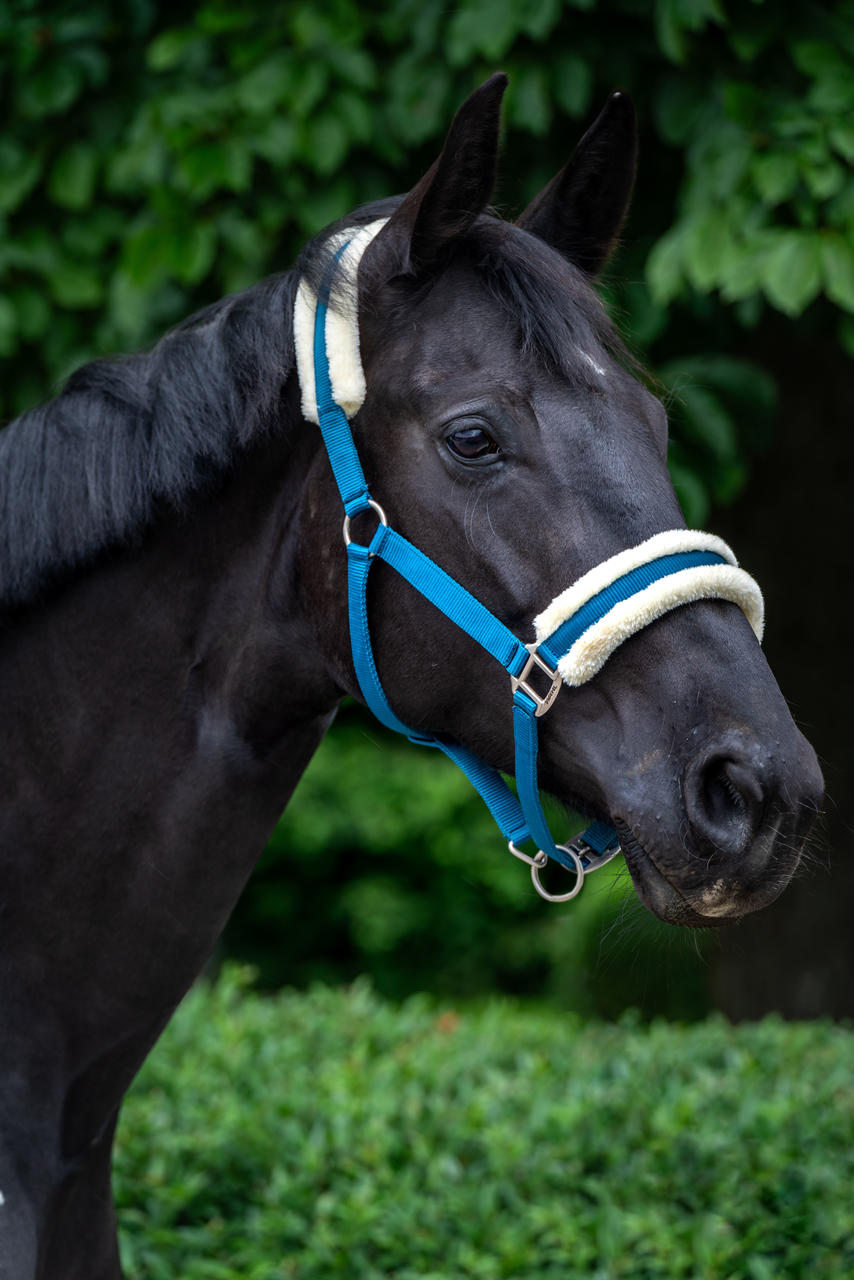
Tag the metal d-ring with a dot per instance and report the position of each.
(375, 506)
(579, 877)
(537, 863)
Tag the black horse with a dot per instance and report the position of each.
(174, 636)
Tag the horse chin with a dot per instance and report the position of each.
(715, 905)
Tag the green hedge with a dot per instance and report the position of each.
(332, 1134)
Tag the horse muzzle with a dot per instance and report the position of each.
(731, 838)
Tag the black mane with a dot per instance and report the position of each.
(88, 470)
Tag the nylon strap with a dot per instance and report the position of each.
(593, 610)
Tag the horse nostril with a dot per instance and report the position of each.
(725, 801)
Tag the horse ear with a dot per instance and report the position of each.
(455, 190)
(581, 211)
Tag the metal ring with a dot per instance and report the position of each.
(558, 897)
(375, 506)
(539, 859)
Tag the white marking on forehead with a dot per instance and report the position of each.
(2, 1199)
(585, 355)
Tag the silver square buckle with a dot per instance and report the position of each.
(542, 702)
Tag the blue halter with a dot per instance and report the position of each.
(519, 819)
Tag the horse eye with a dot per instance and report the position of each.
(472, 442)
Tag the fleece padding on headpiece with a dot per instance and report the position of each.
(595, 645)
(342, 327)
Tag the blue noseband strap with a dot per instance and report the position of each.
(520, 817)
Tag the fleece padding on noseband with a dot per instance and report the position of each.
(591, 650)
(342, 327)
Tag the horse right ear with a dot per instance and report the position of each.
(582, 209)
(454, 191)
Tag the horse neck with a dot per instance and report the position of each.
(157, 715)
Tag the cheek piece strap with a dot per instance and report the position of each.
(575, 634)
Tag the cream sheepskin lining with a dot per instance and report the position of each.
(592, 649)
(718, 581)
(670, 542)
(342, 328)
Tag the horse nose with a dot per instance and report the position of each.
(727, 793)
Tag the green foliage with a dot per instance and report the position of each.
(154, 156)
(333, 1134)
(768, 178)
(387, 863)
(707, 397)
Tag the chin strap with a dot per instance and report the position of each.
(575, 634)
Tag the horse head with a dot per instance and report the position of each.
(509, 436)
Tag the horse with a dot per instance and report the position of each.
(174, 635)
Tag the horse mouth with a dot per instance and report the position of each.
(659, 894)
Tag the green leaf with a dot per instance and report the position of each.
(674, 17)
(837, 256)
(691, 492)
(20, 170)
(418, 99)
(354, 66)
(841, 138)
(32, 311)
(739, 274)
(706, 420)
(211, 166)
(572, 82)
(528, 101)
(645, 319)
(327, 142)
(145, 256)
(191, 251)
(481, 27)
(169, 49)
(825, 179)
(791, 270)
(137, 167)
(93, 233)
(266, 85)
(664, 268)
(678, 105)
(75, 286)
(72, 178)
(276, 141)
(741, 382)
(776, 175)
(49, 90)
(309, 82)
(708, 247)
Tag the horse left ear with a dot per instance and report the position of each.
(582, 209)
(454, 191)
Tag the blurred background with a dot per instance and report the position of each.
(155, 156)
